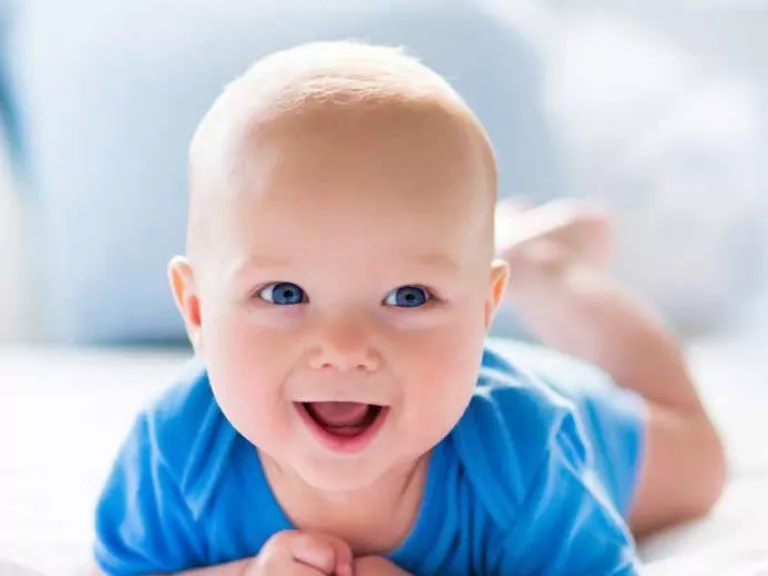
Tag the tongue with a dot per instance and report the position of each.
(336, 414)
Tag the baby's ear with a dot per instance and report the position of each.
(185, 295)
(499, 277)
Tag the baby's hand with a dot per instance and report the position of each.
(377, 566)
(295, 553)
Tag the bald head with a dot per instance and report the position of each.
(332, 92)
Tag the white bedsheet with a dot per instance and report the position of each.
(63, 413)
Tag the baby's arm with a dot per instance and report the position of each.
(301, 554)
(562, 523)
(573, 306)
(288, 553)
(146, 525)
(229, 569)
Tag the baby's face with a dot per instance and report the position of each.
(345, 290)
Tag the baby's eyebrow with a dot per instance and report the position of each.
(260, 261)
(266, 261)
(440, 261)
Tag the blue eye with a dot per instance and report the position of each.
(408, 297)
(282, 294)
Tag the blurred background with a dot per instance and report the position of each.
(655, 108)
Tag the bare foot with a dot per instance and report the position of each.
(577, 227)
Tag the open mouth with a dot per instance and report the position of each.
(343, 426)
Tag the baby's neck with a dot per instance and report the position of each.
(373, 520)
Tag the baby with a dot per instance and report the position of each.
(346, 414)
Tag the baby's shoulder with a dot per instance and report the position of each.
(187, 431)
(514, 424)
(180, 412)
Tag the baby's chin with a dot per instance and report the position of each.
(339, 476)
(331, 478)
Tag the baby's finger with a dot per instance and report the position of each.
(327, 554)
(298, 569)
(343, 555)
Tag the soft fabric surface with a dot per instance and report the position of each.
(63, 413)
(733, 541)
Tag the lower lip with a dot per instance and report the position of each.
(339, 443)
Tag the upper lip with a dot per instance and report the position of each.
(340, 388)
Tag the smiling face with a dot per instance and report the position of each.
(341, 288)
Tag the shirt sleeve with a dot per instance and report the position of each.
(613, 420)
(142, 523)
(567, 524)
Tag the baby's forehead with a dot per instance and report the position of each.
(337, 95)
(417, 154)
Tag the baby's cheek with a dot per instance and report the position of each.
(444, 374)
(245, 376)
(455, 349)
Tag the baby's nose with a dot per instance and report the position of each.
(344, 347)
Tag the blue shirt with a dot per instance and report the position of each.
(534, 479)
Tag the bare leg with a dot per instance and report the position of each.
(572, 305)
